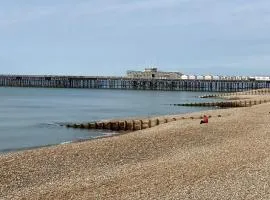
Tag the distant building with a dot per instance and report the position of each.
(262, 78)
(153, 73)
(208, 77)
(192, 77)
(215, 77)
(200, 77)
(184, 77)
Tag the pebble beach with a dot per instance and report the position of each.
(228, 158)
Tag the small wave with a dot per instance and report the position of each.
(109, 133)
(10, 150)
(51, 124)
(66, 142)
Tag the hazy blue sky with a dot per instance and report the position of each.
(108, 37)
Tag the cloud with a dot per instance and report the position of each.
(200, 33)
(167, 12)
(15, 16)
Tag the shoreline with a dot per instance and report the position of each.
(177, 160)
(114, 133)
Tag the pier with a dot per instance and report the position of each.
(126, 83)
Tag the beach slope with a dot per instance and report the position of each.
(229, 158)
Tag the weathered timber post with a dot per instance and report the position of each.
(110, 125)
(149, 123)
(89, 125)
(133, 125)
(125, 125)
(82, 126)
(113, 126)
(117, 126)
(141, 124)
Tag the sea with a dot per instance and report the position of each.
(34, 117)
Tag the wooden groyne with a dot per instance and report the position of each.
(106, 82)
(226, 104)
(130, 125)
(140, 124)
(123, 125)
(263, 91)
(209, 96)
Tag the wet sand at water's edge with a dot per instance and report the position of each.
(229, 158)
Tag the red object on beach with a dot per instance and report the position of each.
(205, 119)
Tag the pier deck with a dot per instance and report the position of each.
(99, 82)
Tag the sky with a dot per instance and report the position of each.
(109, 37)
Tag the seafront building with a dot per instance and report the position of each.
(153, 73)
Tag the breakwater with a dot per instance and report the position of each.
(131, 125)
(263, 91)
(140, 124)
(226, 104)
(99, 82)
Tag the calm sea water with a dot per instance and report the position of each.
(31, 117)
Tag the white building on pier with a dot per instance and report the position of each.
(153, 73)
